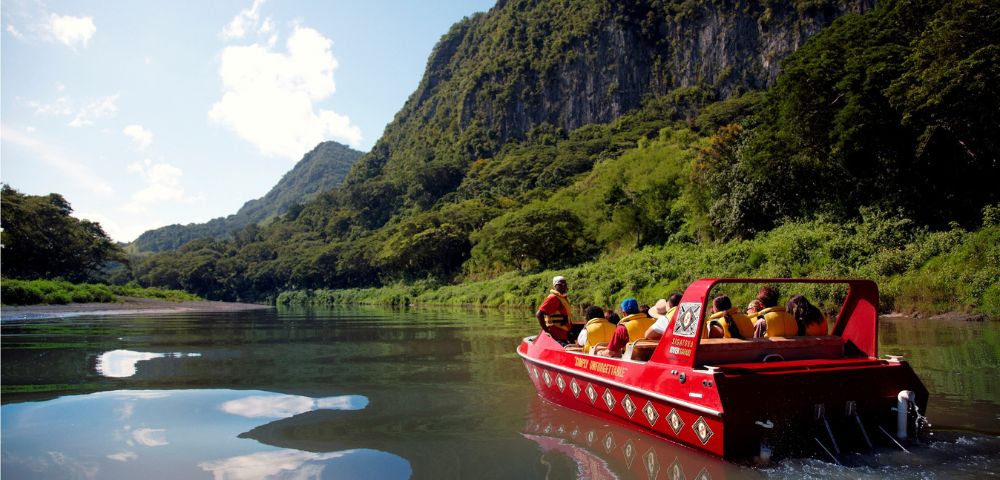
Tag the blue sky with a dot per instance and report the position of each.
(144, 114)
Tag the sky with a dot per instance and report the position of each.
(144, 114)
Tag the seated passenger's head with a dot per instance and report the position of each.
(630, 306)
(673, 300)
(612, 317)
(659, 310)
(755, 306)
(594, 311)
(768, 296)
(721, 303)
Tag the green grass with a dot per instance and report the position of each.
(33, 292)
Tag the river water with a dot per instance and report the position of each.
(381, 393)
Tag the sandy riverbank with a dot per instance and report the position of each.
(127, 306)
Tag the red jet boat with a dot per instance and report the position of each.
(743, 399)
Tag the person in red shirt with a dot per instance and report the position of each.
(554, 314)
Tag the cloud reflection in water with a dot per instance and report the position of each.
(296, 464)
(121, 363)
(282, 406)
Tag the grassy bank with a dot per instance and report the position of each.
(918, 271)
(32, 292)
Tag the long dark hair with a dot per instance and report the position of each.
(804, 312)
(723, 304)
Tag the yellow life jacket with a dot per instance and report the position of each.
(598, 330)
(636, 324)
(743, 323)
(559, 320)
(780, 323)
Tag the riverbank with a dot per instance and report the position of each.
(127, 306)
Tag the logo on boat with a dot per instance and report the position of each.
(687, 319)
(650, 412)
(560, 382)
(628, 405)
(609, 399)
(675, 421)
(591, 393)
(702, 430)
(575, 387)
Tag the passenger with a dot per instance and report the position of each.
(754, 307)
(655, 331)
(629, 328)
(727, 321)
(554, 313)
(811, 321)
(772, 320)
(611, 316)
(598, 329)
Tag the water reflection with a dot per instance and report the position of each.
(122, 363)
(296, 464)
(281, 406)
(174, 434)
(599, 449)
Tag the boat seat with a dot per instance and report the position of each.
(640, 350)
(721, 351)
(598, 348)
(573, 348)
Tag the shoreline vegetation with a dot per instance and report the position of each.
(919, 272)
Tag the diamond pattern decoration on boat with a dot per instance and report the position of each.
(650, 412)
(575, 387)
(629, 451)
(651, 463)
(609, 443)
(609, 399)
(547, 378)
(675, 421)
(702, 430)
(560, 382)
(703, 474)
(628, 405)
(535, 369)
(591, 393)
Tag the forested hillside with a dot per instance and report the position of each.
(551, 134)
(319, 170)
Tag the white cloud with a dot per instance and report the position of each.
(162, 185)
(56, 159)
(118, 231)
(150, 437)
(140, 135)
(69, 30)
(95, 109)
(247, 19)
(123, 456)
(14, 32)
(270, 97)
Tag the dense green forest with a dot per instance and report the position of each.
(41, 240)
(872, 154)
(319, 170)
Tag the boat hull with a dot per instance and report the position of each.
(729, 411)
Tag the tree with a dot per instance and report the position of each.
(536, 236)
(41, 240)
